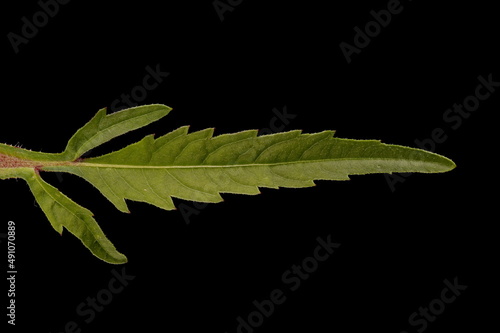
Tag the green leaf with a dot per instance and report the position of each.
(198, 167)
(63, 212)
(195, 166)
(103, 128)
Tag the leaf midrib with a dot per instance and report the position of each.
(124, 166)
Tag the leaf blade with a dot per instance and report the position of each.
(199, 167)
(62, 212)
(104, 127)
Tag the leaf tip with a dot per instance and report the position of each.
(117, 259)
(121, 260)
(445, 164)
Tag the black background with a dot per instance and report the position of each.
(397, 247)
